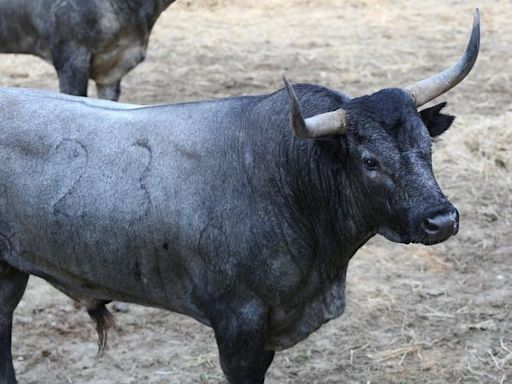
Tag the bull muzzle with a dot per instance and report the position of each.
(439, 225)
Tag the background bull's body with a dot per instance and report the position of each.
(170, 206)
(96, 39)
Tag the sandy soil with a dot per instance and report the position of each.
(415, 314)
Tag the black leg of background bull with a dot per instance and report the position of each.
(109, 91)
(12, 287)
(72, 64)
(240, 334)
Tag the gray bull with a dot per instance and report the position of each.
(97, 39)
(242, 213)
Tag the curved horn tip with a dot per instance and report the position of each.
(296, 119)
(289, 89)
(285, 79)
(475, 32)
(425, 90)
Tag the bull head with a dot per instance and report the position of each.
(386, 152)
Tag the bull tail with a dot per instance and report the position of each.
(104, 321)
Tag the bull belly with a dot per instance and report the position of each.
(141, 276)
(111, 65)
(24, 44)
(17, 32)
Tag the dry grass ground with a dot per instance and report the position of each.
(415, 314)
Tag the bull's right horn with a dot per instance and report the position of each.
(325, 124)
(425, 90)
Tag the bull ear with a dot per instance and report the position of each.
(435, 121)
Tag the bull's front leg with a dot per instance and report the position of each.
(12, 287)
(240, 328)
(109, 91)
(72, 63)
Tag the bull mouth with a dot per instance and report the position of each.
(426, 240)
(395, 235)
(416, 238)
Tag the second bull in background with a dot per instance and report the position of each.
(94, 39)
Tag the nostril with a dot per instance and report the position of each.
(429, 225)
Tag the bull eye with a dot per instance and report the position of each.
(370, 164)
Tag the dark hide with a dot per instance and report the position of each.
(215, 209)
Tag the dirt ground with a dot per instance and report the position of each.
(415, 314)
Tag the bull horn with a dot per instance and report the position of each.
(325, 124)
(425, 90)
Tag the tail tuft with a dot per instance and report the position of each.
(104, 321)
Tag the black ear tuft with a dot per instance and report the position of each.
(435, 121)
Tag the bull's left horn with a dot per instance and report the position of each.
(325, 124)
(425, 90)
